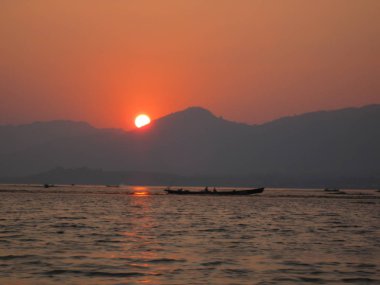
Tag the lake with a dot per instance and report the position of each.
(105, 235)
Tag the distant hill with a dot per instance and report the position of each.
(85, 175)
(18, 138)
(340, 145)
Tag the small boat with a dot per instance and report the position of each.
(216, 193)
(334, 191)
(331, 190)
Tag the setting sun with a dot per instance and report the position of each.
(142, 120)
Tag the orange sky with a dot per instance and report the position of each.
(246, 60)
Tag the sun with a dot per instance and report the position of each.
(142, 120)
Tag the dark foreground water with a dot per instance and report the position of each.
(102, 235)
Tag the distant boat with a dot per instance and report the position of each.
(334, 191)
(331, 190)
(114, 186)
(216, 193)
(48, 185)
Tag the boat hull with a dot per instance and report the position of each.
(216, 193)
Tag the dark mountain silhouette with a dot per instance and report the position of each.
(15, 138)
(85, 175)
(320, 145)
(18, 138)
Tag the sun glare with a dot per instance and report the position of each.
(142, 120)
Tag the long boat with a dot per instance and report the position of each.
(331, 190)
(216, 193)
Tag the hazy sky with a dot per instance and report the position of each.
(246, 60)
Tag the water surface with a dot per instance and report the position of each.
(104, 235)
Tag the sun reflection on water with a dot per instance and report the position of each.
(144, 193)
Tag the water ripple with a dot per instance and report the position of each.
(82, 236)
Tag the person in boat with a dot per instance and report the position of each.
(206, 189)
(214, 190)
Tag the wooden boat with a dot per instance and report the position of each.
(216, 193)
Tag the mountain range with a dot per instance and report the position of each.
(341, 145)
